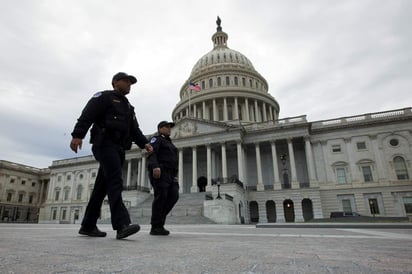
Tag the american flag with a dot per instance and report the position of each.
(195, 87)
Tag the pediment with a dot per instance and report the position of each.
(192, 127)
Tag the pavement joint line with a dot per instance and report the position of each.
(384, 234)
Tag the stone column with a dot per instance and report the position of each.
(295, 183)
(225, 114)
(224, 162)
(139, 171)
(209, 167)
(246, 117)
(353, 168)
(129, 172)
(276, 185)
(215, 114)
(194, 187)
(143, 173)
(181, 170)
(257, 112)
(240, 162)
(42, 182)
(194, 111)
(309, 159)
(265, 118)
(271, 114)
(204, 110)
(380, 170)
(236, 113)
(260, 186)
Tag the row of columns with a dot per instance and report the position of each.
(143, 182)
(253, 112)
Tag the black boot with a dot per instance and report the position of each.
(159, 231)
(127, 230)
(94, 232)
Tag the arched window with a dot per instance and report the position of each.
(210, 83)
(219, 81)
(79, 192)
(400, 168)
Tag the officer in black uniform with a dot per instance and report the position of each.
(114, 129)
(163, 168)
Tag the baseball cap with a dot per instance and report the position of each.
(165, 123)
(121, 75)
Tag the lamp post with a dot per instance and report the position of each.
(218, 190)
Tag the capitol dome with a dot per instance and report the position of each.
(231, 90)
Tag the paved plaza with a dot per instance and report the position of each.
(42, 248)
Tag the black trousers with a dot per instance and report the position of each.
(108, 182)
(166, 195)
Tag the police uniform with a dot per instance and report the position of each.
(114, 128)
(166, 188)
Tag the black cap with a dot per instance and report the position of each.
(165, 123)
(121, 75)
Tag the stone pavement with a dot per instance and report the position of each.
(45, 248)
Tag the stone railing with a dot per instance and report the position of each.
(364, 118)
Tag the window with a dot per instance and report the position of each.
(361, 145)
(367, 173)
(244, 82)
(341, 175)
(59, 178)
(12, 180)
(33, 184)
(66, 194)
(30, 199)
(394, 142)
(346, 205)
(219, 81)
(56, 195)
(203, 84)
(9, 196)
(336, 148)
(21, 197)
(93, 174)
(53, 213)
(64, 213)
(23, 182)
(236, 81)
(68, 177)
(227, 81)
(400, 168)
(407, 201)
(81, 176)
(373, 206)
(210, 83)
(250, 82)
(79, 192)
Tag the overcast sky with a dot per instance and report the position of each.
(324, 59)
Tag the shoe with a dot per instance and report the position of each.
(159, 231)
(95, 232)
(127, 230)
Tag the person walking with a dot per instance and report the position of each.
(114, 129)
(163, 168)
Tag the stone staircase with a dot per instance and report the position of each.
(188, 210)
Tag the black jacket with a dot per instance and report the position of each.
(164, 153)
(112, 117)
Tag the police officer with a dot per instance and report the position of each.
(163, 168)
(114, 128)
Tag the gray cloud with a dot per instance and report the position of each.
(322, 58)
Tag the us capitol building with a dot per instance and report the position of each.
(245, 165)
